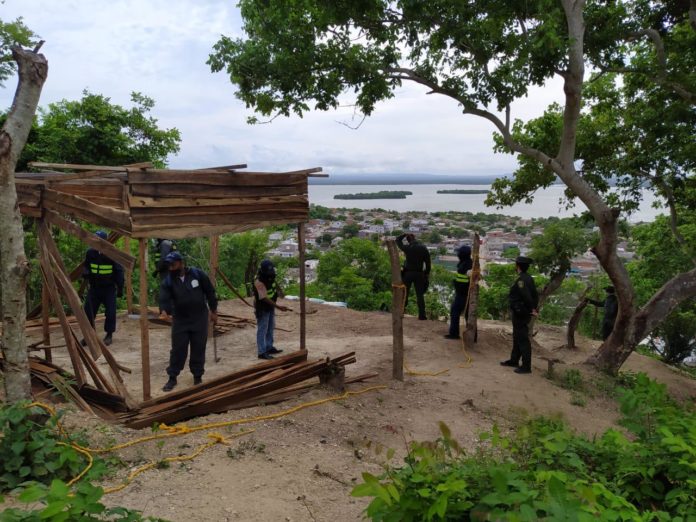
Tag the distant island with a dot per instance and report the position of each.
(463, 191)
(382, 194)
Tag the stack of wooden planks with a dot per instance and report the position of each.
(225, 322)
(243, 388)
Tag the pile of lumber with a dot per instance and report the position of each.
(225, 322)
(262, 383)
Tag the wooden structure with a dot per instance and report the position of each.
(141, 202)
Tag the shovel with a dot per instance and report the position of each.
(211, 334)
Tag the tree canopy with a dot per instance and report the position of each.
(12, 33)
(300, 55)
(94, 131)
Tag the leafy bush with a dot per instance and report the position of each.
(30, 448)
(544, 471)
(57, 504)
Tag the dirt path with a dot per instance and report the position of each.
(302, 467)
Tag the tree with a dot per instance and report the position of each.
(14, 267)
(350, 230)
(94, 131)
(11, 34)
(485, 55)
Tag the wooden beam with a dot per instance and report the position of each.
(210, 191)
(85, 209)
(45, 327)
(73, 166)
(144, 324)
(102, 245)
(165, 202)
(213, 177)
(398, 295)
(214, 246)
(471, 331)
(303, 304)
(129, 278)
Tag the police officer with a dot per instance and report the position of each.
(185, 292)
(416, 270)
(611, 309)
(461, 290)
(266, 293)
(523, 303)
(162, 249)
(105, 278)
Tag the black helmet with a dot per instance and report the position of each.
(267, 269)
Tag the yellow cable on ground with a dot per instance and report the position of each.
(409, 371)
(182, 429)
(216, 439)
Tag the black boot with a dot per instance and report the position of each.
(197, 380)
(108, 340)
(509, 363)
(170, 384)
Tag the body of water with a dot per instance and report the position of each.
(426, 199)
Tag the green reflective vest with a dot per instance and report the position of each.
(96, 269)
(461, 278)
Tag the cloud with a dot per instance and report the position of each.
(160, 47)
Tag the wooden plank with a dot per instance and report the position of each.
(303, 304)
(164, 202)
(398, 295)
(45, 328)
(193, 231)
(96, 173)
(471, 331)
(144, 326)
(287, 206)
(212, 177)
(181, 190)
(52, 288)
(53, 199)
(115, 254)
(129, 278)
(248, 217)
(73, 166)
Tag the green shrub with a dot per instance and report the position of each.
(544, 471)
(58, 503)
(31, 448)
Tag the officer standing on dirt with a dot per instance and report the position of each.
(416, 270)
(162, 249)
(187, 295)
(523, 303)
(106, 281)
(460, 303)
(611, 309)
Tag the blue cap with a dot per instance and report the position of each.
(101, 234)
(173, 256)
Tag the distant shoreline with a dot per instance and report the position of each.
(382, 194)
(463, 191)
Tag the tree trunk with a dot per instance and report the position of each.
(14, 269)
(398, 299)
(575, 319)
(471, 331)
(554, 284)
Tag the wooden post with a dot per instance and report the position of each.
(144, 326)
(398, 294)
(471, 332)
(303, 310)
(45, 309)
(129, 277)
(214, 249)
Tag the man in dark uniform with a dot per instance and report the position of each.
(523, 303)
(611, 309)
(162, 249)
(461, 290)
(106, 281)
(187, 295)
(266, 294)
(416, 270)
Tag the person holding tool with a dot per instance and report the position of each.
(416, 270)
(266, 294)
(187, 295)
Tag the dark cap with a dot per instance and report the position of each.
(101, 234)
(609, 289)
(522, 260)
(173, 256)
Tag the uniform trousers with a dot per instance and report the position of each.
(190, 332)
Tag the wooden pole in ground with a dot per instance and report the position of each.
(398, 294)
(129, 277)
(144, 326)
(471, 332)
(45, 309)
(214, 261)
(303, 307)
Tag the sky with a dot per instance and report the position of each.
(160, 48)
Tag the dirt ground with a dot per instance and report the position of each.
(302, 467)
